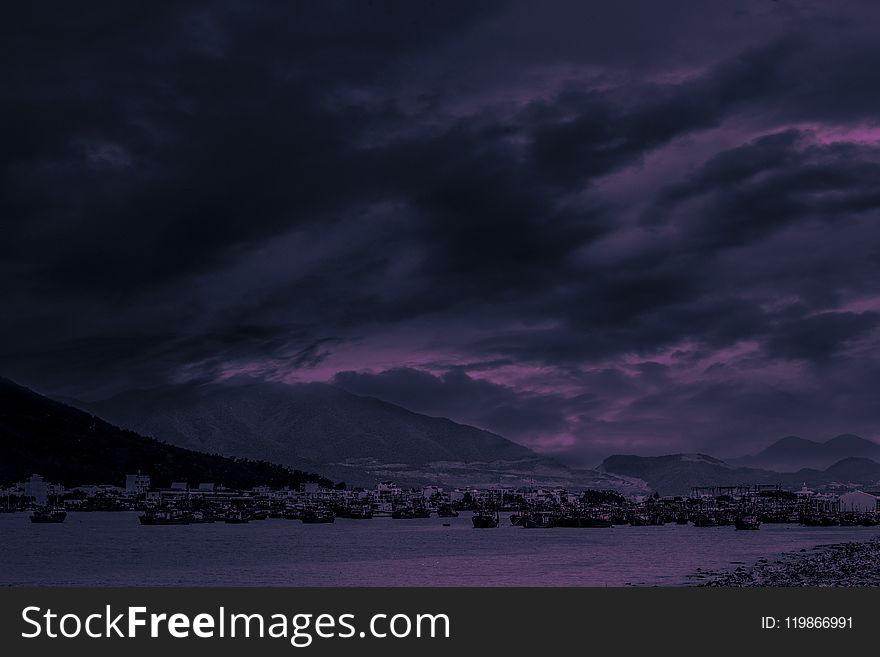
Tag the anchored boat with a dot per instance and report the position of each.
(317, 516)
(485, 519)
(747, 522)
(705, 520)
(410, 512)
(593, 522)
(538, 520)
(164, 517)
(48, 515)
(360, 512)
(237, 517)
(446, 511)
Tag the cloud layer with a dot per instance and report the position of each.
(648, 227)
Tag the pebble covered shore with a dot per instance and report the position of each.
(838, 564)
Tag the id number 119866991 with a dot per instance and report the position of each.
(807, 623)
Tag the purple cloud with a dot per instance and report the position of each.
(567, 224)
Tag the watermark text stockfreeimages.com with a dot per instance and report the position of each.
(300, 629)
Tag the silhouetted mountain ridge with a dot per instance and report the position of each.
(347, 436)
(72, 447)
(793, 453)
(314, 421)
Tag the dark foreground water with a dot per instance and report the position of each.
(112, 549)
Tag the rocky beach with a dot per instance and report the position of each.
(838, 564)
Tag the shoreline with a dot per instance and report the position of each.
(850, 564)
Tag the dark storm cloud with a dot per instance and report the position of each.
(146, 158)
(602, 138)
(569, 224)
(819, 337)
(143, 146)
(756, 189)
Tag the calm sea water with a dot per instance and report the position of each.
(112, 549)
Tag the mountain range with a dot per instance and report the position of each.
(71, 447)
(792, 453)
(234, 431)
(676, 474)
(348, 437)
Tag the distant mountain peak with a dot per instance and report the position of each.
(791, 440)
(347, 436)
(676, 474)
(848, 439)
(793, 453)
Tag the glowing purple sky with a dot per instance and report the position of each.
(590, 227)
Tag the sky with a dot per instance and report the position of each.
(640, 227)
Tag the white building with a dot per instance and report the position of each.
(805, 493)
(137, 484)
(430, 491)
(456, 495)
(36, 488)
(41, 490)
(858, 502)
(388, 488)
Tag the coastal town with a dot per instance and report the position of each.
(743, 507)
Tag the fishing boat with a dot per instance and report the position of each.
(446, 511)
(202, 518)
(566, 520)
(848, 520)
(164, 517)
(292, 513)
(747, 522)
(593, 522)
(317, 516)
(485, 519)
(516, 519)
(704, 520)
(48, 515)
(237, 517)
(410, 512)
(360, 512)
(538, 520)
(819, 521)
